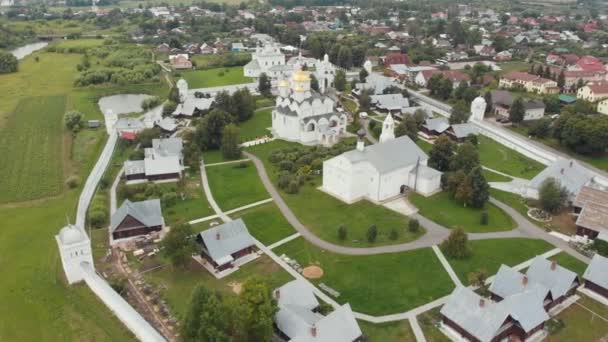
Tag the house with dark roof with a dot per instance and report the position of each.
(459, 132)
(396, 58)
(298, 318)
(224, 244)
(136, 218)
(502, 100)
(596, 276)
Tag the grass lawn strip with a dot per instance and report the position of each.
(376, 284)
(257, 126)
(395, 331)
(265, 223)
(490, 254)
(500, 158)
(570, 262)
(234, 186)
(494, 177)
(580, 324)
(215, 77)
(445, 211)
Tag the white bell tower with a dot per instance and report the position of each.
(478, 109)
(388, 129)
(74, 248)
(182, 88)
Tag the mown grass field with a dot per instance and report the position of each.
(234, 186)
(78, 43)
(215, 77)
(376, 284)
(582, 325)
(257, 126)
(506, 160)
(390, 332)
(32, 149)
(450, 213)
(490, 254)
(265, 223)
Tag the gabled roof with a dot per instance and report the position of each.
(594, 216)
(390, 101)
(508, 282)
(296, 292)
(389, 155)
(225, 239)
(167, 147)
(339, 325)
(463, 130)
(597, 271)
(553, 276)
(148, 212)
(589, 194)
(162, 165)
(439, 124)
(568, 172)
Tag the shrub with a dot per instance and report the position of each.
(104, 182)
(169, 199)
(284, 179)
(601, 247)
(394, 234)
(72, 182)
(293, 187)
(342, 233)
(98, 218)
(456, 246)
(413, 226)
(73, 121)
(372, 233)
(484, 218)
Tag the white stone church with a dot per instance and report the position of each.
(305, 116)
(381, 171)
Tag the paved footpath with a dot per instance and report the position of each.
(446, 266)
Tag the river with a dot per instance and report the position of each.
(26, 50)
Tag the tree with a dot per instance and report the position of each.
(552, 196)
(372, 233)
(244, 105)
(214, 321)
(363, 75)
(314, 83)
(260, 309)
(561, 80)
(8, 63)
(413, 225)
(178, 244)
(174, 94)
(365, 100)
(340, 80)
(264, 85)
(145, 137)
(488, 97)
(480, 188)
(407, 126)
(445, 88)
(517, 111)
(541, 128)
(208, 133)
(441, 154)
(552, 104)
(230, 142)
(466, 158)
(394, 234)
(73, 121)
(342, 233)
(456, 246)
(464, 191)
(478, 278)
(345, 58)
(460, 113)
(192, 320)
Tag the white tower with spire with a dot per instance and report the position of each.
(368, 66)
(478, 109)
(74, 249)
(388, 129)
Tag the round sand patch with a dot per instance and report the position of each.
(313, 272)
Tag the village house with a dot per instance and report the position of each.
(502, 101)
(396, 58)
(162, 162)
(136, 218)
(592, 208)
(573, 77)
(593, 91)
(455, 76)
(380, 171)
(596, 276)
(375, 83)
(299, 320)
(180, 61)
(588, 63)
(531, 83)
(407, 72)
(390, 103)
(602, 107)
(569, 173)
(434, 127)
(460, 132)
(503, 56)
(224, 244)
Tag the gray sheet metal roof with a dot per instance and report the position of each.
(167, 124)
(168, 147)
(134, 167)
(147, 212)
(509, 282)
(233, 237)
(162, 165)
(527, 307)
(463, 130)
(390, 101)
(438, 125)
(426, 172)
(597, 271)
(390, 155)
(568, 172)
(129, 124)
(590, 194)
(296, 292)
(558, 280)
(339, 326)
(286, 111)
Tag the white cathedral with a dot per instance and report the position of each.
(304, 115)
(382, 171)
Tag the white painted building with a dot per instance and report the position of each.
(381, 171)
(74, 249)
(305, 116)
(265, 59)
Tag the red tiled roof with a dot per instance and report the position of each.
(590, 63)
(598, 87)
(128, 135)
(397, 58)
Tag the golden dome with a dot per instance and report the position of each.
(301, 76)
(283, 83)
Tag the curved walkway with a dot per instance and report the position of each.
(434, 235)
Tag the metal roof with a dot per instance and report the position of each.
(597, 271)
(568, 172)
(390, 101)
(439, 124)
(162, 165)
(557, 279)
(463, 130)
(148, 212)
(228, 238)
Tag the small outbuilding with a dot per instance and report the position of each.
(596, 276)
(137, 218)
(224, 244)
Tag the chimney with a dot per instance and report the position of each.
(313, 331)
(482, 302)
(553, 265)
(217, 235)
(524, 280)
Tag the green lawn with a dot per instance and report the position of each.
(573, 264)
(77, 43)
(179, 283)
(400, 331)
(514, 201)
(428, 321)
(582, 325)
(32, 150)
(193, 206)
(265, 223)
(490, 254)
(494, 177)
(257, 126)
(324, 214)
(234, 186)
(513, 66)
(262, 102)
(448, 212)
(425, 146)
(377, 284)
(215, 77)
(213, 156)
(498, 157)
